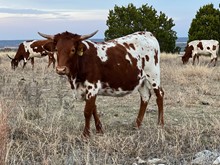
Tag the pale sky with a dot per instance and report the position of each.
(22, 19)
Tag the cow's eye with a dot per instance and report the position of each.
(73, 50)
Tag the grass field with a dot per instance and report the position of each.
(40, 123)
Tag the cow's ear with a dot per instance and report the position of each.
(50, 46)
(80, 49)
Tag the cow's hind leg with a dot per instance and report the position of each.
(160, 95)
(215, 61)
(145, 97)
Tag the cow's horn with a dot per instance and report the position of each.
(46, 36)
(84, 37)
(9, 57)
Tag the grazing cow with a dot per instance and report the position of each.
(201, 47)
(112, 68)
(30, 49)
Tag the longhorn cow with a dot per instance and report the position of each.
(112, 68)
(27, 50)
(201, 47)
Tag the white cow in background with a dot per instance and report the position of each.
(201, 47)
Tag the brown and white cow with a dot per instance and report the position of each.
(201, 47)
(112, 68)
(27, 50)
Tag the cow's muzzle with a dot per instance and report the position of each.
(62, 70)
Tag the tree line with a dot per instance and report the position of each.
(128, 19)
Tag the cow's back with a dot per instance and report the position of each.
(140, 45)
(31, 50)
(205, 46)
(126, 62)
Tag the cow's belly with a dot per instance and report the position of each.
(104, 90)
(38, 55)
(122, 89)
(113, 92)
(203, 52)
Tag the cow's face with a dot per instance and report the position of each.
(14, 63)
(68, 48)
(185, 59)
(66, 53)
(65, 45)
(188, 54)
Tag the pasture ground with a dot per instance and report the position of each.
(40, 123)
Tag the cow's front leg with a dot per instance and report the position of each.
(49, 61)
(194, 58)
(32, 63)
(98, 123)
(90, 107)
(197, 59)
(25, 62)
(71, 82)
(54, 61)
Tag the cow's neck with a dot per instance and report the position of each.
(77, 75)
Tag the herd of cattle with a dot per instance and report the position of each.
(112, 68)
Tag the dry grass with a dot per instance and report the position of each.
(3, 134)
(42, 124)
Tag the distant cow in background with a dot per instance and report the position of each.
(27, 50)
(201, 47)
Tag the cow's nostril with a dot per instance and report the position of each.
(62, 70)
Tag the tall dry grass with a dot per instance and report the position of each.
(4, 129)
(42, 124)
